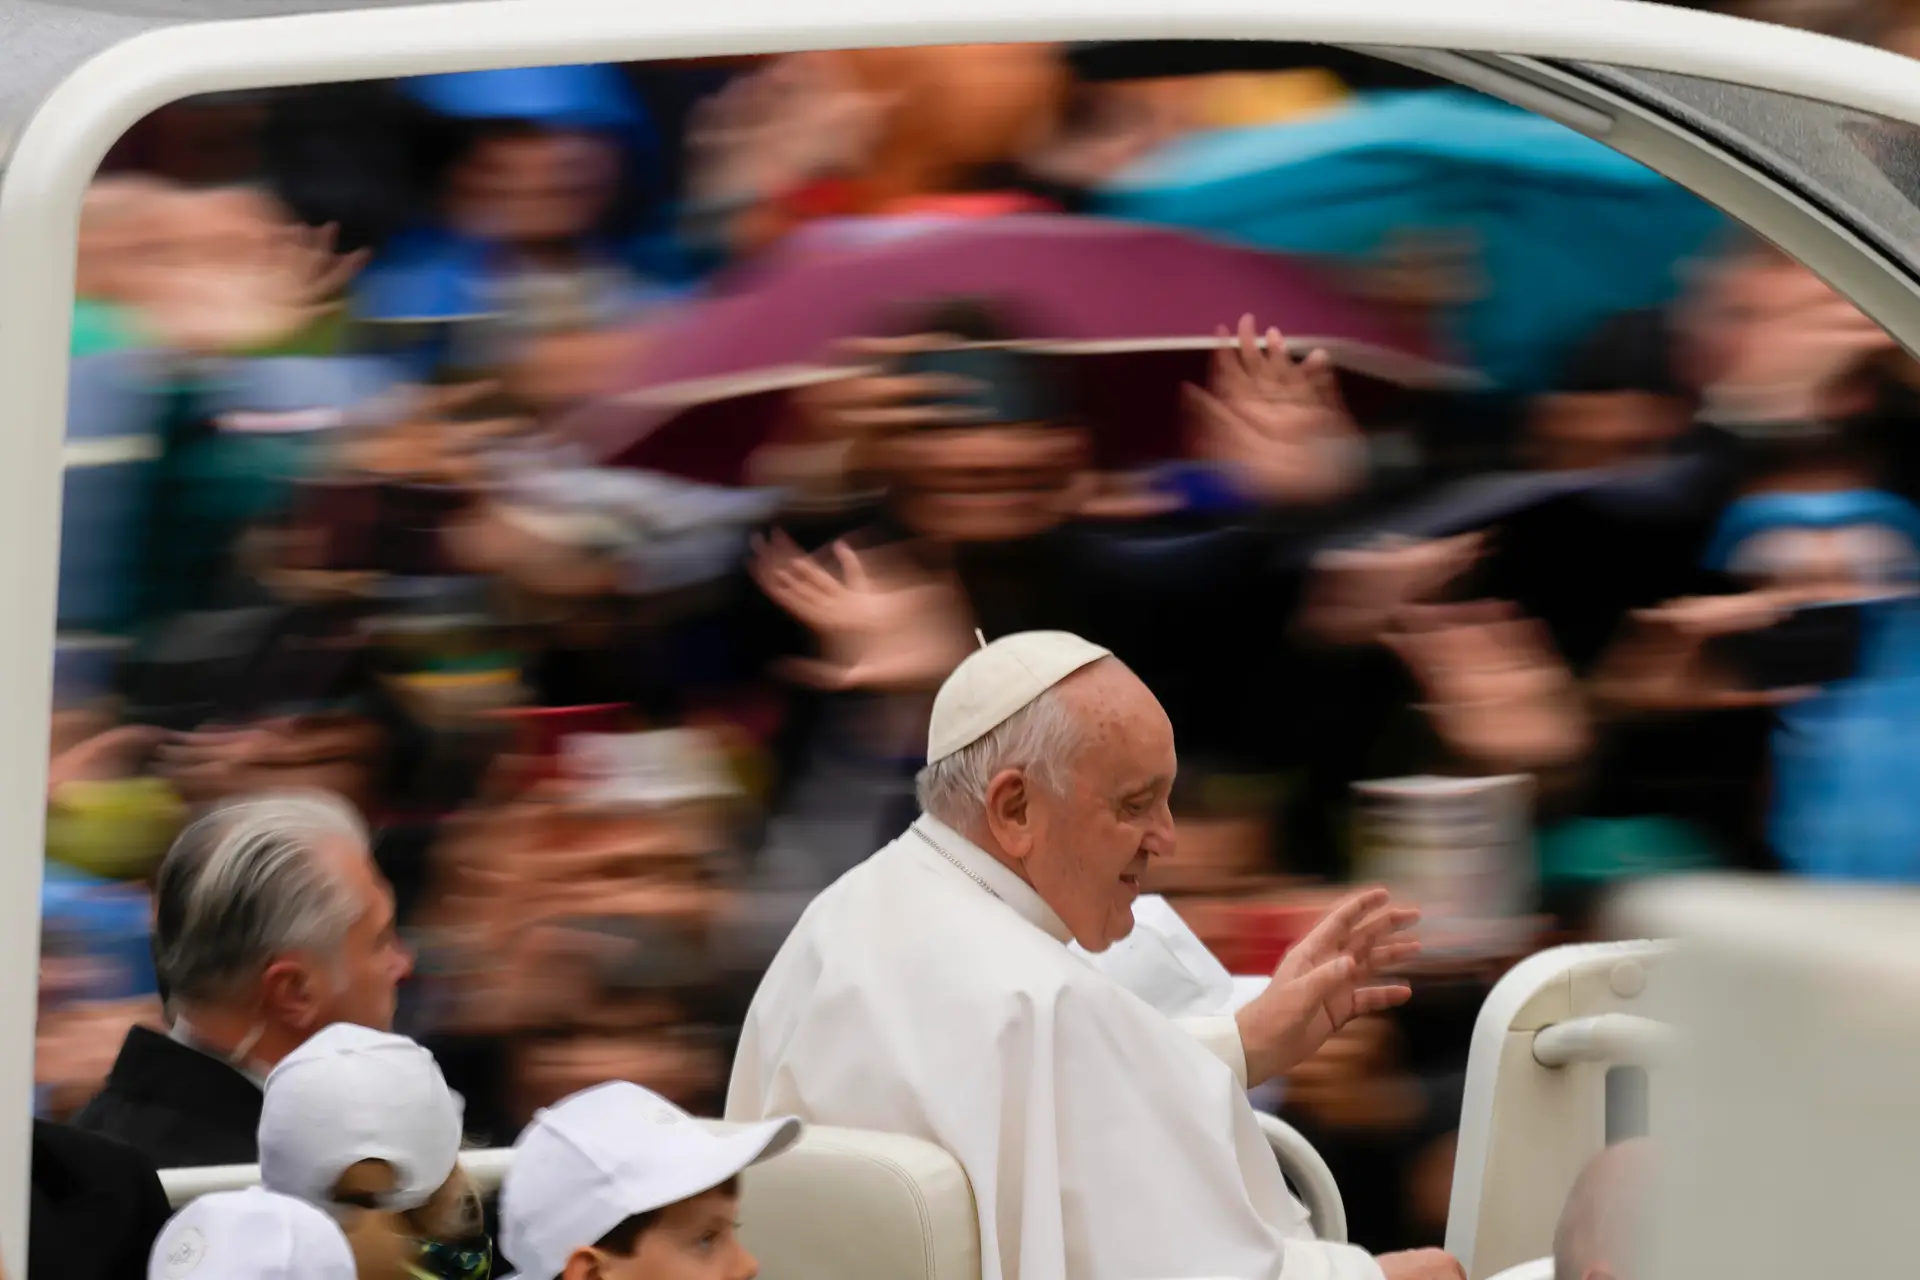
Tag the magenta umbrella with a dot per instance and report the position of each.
(1076, 284)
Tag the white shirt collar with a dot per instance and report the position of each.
(181, 1033)
(948, 848)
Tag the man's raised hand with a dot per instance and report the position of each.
(1340, 971)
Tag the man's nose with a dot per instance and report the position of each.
(746, 1266)
(1161, 838)
(402, 962)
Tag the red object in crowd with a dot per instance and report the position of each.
(1256, 936)
(540, 731)
(969, 204)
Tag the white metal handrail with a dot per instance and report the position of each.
(1609, 1037)
(183, 1186)
(1310, 1176)
(1301, 1163)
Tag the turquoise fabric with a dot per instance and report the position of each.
(1599, 851)
(1570, 231)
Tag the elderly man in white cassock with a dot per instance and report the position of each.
(933, 991)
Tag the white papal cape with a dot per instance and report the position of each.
(935, 995)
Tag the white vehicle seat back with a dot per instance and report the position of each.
(847, 1205)
(1527, 1126)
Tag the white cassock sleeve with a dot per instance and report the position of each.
(1220, 1037)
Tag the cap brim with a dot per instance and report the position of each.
(732, 1155)
(737, 1152)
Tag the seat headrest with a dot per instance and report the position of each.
(848, 1205)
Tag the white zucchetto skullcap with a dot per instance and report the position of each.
(998, 680)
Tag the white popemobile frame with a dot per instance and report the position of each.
(1534, 1109)
(73, 79)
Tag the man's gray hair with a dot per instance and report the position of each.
(244, 884)
(1039, 739)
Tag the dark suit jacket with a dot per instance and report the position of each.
(179, 1107)
(96, 1207)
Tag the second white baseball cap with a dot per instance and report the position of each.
(587, 1164)
(999, 679)
(250, 1235)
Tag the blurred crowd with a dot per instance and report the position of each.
(587, 475)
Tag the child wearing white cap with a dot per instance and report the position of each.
(362, 1124)
(617, 1183)
(250, 1235)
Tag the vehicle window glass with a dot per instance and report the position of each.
(1864, 167)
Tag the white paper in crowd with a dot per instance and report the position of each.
(1461, 848)
(1164, 963)
(668, 766)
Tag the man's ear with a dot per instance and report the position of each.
(583, 1264)
(290, 992)
(1010, 812)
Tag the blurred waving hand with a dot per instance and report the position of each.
(1281, 425)
(881, 623)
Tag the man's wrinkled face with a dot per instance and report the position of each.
(373, 961)
(1091, 846)
(984, 484)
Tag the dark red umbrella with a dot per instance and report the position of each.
(1130, 399)
(1081, 285)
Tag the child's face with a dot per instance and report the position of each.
(693, 1240)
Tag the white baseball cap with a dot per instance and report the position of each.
(250, 1235)
(999, 679)
(350, 1094)
(587, 1164)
